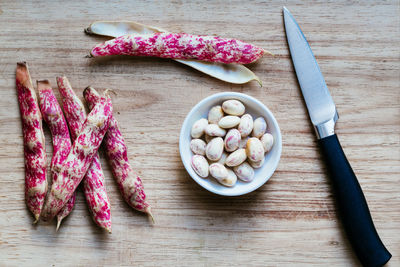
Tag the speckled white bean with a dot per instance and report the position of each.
(215, 114)
(198, 128)
(223, 158)
(228, 122)
(230, 180)
(198, 146)
(259, 127)
(215, 148)
(236, 158)
(268, 141)
(218, 171)
(257, 164)
(244, 172)
(200, 165)
(254, 149)
(233, 107)
(246, 125)
(243, 142)
(232, 140)
(214, 130)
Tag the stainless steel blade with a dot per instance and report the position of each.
(320, 105)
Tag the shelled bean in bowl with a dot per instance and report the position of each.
(230, 143)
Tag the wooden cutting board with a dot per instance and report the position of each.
(289, 221)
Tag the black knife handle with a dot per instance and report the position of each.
(352, 205)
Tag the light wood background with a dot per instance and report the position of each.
(289, 221)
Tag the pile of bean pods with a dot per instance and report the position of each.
(76, 137)
(223, 142)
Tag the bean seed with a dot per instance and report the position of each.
(233, 107)
(244, 172)
(215, 114)
(245, 125)
(254, 149)
(198, 128)
(259, 127)
(228, 122)
(218, 171)
(214, 130)
(230, 180)
(200, 165)
(198, 146)
(236, 158)
(215, 148)
(268, 141)
(257, 164)
(232, 140)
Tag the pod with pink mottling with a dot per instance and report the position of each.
(233, 73)
(93, 182)
(128, 181)
(34, 143)
(54, 118)
(79, 158)
(180, 46)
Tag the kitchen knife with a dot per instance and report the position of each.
(352, 205)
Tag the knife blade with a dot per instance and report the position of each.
(353, 208)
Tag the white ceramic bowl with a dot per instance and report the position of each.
(256, 109)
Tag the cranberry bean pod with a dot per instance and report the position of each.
(180, 46)
(54, 118)
(234, 73)
(66, 210)
(34, 143)
(93, 182)
(80, 158)
(129, 183)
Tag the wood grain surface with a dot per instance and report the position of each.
(292, 219)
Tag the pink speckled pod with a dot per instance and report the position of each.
(78, 161)
(66, 210)
(34, 144)
(181, 46)
(94, 182)
(128, 181)
(54, 118)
